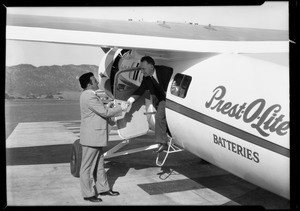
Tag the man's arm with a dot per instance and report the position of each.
(137, 93)
(141, 89)
(95, 105)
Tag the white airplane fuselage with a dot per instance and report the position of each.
(235, 114)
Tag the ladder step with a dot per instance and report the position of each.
(171, 149)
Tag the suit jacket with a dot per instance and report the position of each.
(163, 74)
(94, 119)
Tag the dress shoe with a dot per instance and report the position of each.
(162, 147)
(92, 199)
(110, 193)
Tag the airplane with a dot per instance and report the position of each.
(227, 99)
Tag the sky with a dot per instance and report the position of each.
(270, 15)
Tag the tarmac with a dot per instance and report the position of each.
(38, 174)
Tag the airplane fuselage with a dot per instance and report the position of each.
(236, 116)
(233, 111)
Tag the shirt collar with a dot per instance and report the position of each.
(154, 75)
(90, 90)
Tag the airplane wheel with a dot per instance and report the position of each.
(75, 162)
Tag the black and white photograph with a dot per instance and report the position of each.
(148, 105)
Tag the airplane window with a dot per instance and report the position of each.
(180, 85)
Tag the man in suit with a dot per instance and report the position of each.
(94, 136)
(156, 79)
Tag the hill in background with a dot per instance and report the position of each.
(28, 81)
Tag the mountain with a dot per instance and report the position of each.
(26, 79)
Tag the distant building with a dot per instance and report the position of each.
(49, 96)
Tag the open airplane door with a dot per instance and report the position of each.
(134, 123)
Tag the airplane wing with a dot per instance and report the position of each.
(155, 36)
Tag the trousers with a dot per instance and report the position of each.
(161, 123)
(92, 172)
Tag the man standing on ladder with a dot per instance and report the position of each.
(155, 80)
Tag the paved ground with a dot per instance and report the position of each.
(38, 173)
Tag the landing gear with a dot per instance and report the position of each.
(75, 162)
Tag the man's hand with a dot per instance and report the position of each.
(110, 104)
(124, 106)
(129, 103)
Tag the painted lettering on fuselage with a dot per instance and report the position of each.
(267, 120)
(236, 148)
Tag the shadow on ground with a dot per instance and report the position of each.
(239, 191)
(192, 167)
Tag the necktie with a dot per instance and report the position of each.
(157, 87)
(154, 81)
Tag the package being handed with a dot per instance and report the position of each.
(122, 104)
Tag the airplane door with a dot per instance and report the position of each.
(134, 123)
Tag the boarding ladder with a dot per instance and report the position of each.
(171, 149)
(171, 146)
